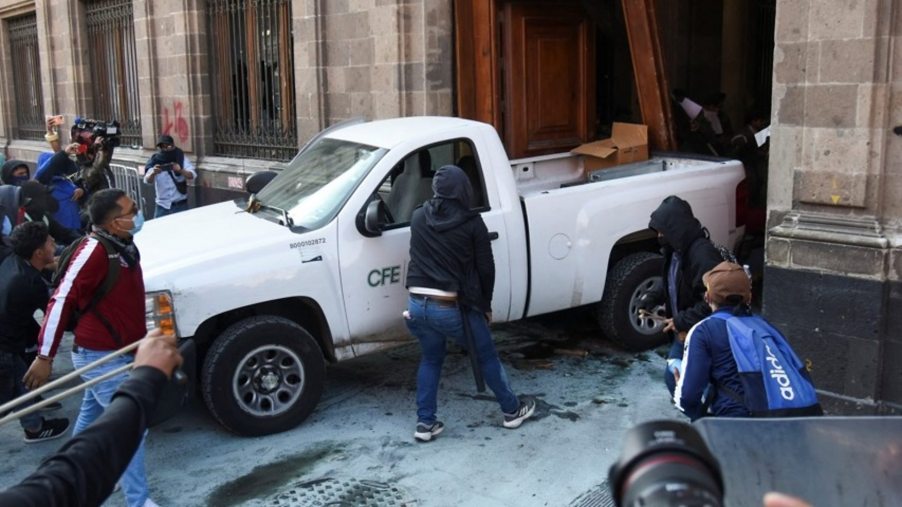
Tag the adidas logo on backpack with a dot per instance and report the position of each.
(774, 381)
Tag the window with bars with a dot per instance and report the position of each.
(26, 77)
(252, 78)
(114, 65)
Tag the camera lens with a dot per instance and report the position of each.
(665, 463)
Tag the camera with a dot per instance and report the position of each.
(108, 132)
(663, 464)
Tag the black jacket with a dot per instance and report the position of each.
(684, 234)
(449, 243)
(22, 291)
(85, 469)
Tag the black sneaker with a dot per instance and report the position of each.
(523, 413)
(50, 429)
(49, 408)
(425, 432)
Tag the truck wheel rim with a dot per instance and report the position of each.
(646, 325)
(268, 380)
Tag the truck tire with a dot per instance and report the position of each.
(618, 311)
(263, 375)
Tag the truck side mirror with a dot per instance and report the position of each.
(258, 180)
(371, 218)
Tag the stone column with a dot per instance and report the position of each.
(833, 263)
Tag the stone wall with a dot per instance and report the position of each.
(834, 197)
(370, 58)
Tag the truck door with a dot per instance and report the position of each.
(374, 268)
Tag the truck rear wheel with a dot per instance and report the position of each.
(263, 375)
(618, 313)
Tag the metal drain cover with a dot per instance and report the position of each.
(599, 496)
(329, 492)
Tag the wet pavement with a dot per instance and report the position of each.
(357, 448)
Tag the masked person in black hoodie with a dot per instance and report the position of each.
(688, 255)
(451, 277)
(14, 172)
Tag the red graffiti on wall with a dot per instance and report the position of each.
(177, 125)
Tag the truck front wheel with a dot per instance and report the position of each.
(263, 375)
(618, 313)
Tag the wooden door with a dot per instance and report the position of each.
(548, 77)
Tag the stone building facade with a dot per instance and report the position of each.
(370, 58)
(833, 254)
(833, 263)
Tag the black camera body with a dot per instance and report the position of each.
(109, 132)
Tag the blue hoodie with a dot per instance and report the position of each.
(61, 187)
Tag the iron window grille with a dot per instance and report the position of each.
(26, 78)
(252, 78)
(114, 65)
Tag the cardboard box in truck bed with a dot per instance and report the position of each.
(628, 143)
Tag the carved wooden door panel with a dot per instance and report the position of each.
(548, 77)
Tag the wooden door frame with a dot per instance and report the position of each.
(477, 57)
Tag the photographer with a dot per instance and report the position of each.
(94, 158)
(172, 187)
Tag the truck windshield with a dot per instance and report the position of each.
(314, 187)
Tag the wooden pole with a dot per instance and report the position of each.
(648, 67)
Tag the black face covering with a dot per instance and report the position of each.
(662, 241)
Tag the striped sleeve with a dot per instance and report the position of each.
(86, 271)
(694, 373)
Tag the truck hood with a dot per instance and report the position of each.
(200, 239)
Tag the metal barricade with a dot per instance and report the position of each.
(127, 178)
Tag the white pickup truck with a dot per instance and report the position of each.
(313, 270)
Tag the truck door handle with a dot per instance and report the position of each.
(493, 236)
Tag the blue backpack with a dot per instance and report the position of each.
(774, 381)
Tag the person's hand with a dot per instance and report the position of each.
(50, 126)
(775, 499)
(72, 149)
(176, 168)
(157, 168)
(488, 317)
(669, 326)
(681, 336)
(78, 193)
(159, 351)
(37, 373)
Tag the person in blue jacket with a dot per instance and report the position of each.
(707, 356)
(55, 171)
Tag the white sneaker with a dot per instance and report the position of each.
(150, 503)
(523, 413)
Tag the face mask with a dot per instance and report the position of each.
(662, 241)
(18, 180)
(138, 222)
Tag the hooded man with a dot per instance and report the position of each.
(451, 277)
(688, 255)
(10, 200)
(14, 172)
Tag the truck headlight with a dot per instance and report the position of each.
(158, 312)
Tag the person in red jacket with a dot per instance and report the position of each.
(104, 325)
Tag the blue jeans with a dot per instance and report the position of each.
(173, 208)
(433, 323)
(96, 399)
(12, 369)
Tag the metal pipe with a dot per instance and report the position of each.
(64, 394)
(65, 378)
